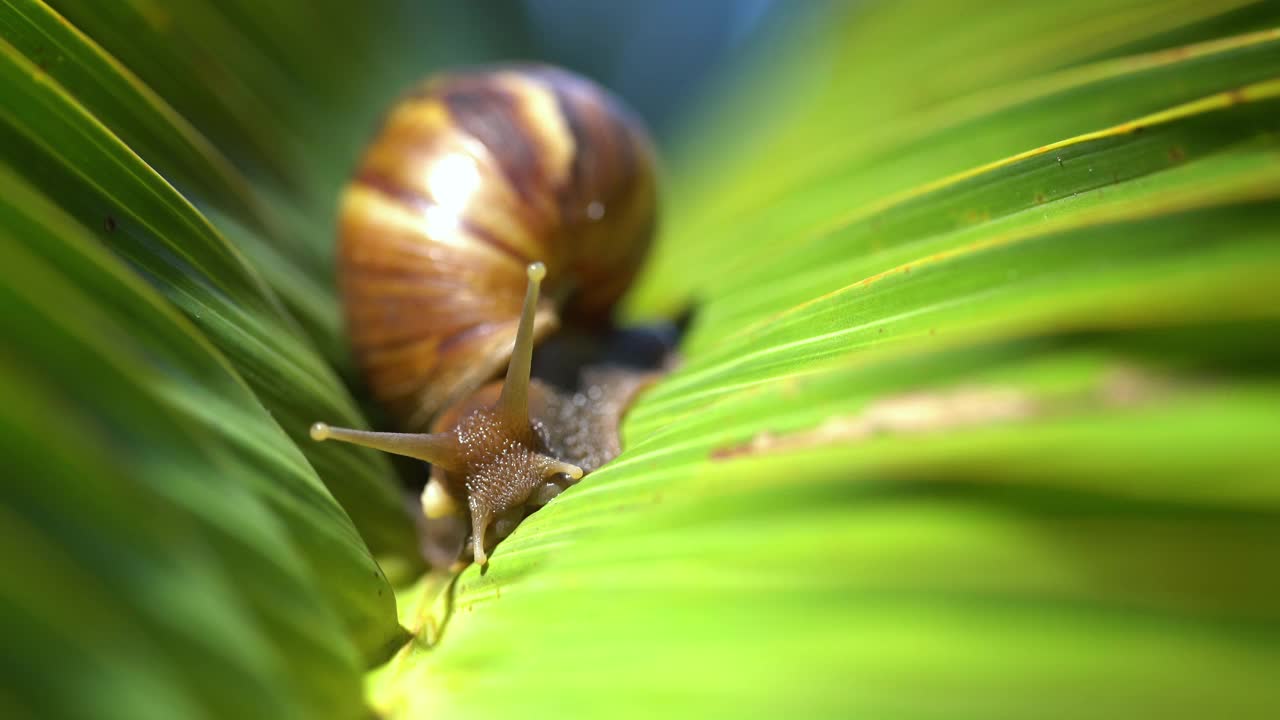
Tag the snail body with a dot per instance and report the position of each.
(495, 206)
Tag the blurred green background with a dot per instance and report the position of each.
(978, 413)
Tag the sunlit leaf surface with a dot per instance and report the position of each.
(976, 415)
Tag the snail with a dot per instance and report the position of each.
(494, 206)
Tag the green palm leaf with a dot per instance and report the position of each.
(977, 414)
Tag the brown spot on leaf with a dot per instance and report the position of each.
(1177, 154)
(902, 414)
(109, 224)
(1040, 198)
(957, 408)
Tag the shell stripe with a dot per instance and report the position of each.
(414, 201)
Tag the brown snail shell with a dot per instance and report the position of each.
(475, 175)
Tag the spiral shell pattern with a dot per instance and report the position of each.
(474, 175)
